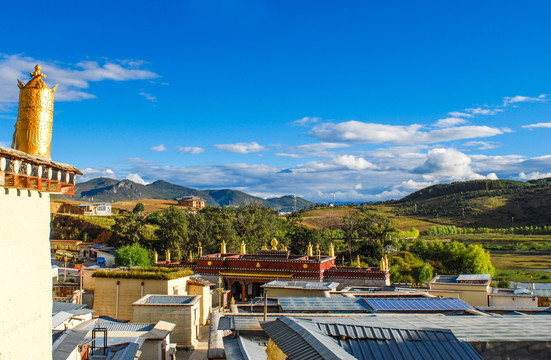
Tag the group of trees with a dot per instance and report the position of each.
(363, 233)
(522, 230)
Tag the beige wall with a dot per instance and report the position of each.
(519, 301)
(473, 294)
(206, 300)
(130, 290)
(186, 318)
(26, 296)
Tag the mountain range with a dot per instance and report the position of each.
(111, 190)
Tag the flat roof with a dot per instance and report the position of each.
(178, 300)
(417, 304)
(322, 304)
(302, 285)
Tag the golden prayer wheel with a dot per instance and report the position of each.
(33, 130)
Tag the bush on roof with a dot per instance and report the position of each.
(155, 273)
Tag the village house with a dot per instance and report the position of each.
(191, 202)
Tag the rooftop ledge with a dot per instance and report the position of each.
(30, 172)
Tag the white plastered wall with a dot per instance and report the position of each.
(26, 282)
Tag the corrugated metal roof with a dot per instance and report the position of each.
(60, 318)
(170, 299)
(238, 323)
(59, 306)
(417, 304)
(128, 352)
(321, 304)
(241, 348)
(303, 285)
(302, 342)
(466, 328)
(67, 344)
(304, 339)
(542, 292)
(124, 327)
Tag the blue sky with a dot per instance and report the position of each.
(364, 100)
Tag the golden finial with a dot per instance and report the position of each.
(37, 73)
(318, 251)
(264, 248)
(223, 247)
(155, 257)
(190, 256)
(310, 250)
(284, 248)
(167, 256)
(199, 250)
(243, 247)
(274, 244)
(331, 250)
(358, 262)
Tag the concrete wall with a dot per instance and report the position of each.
(186, 318)
(206, 300)
(130, 290)
(26, 296)
(473, 294)
(519, 301)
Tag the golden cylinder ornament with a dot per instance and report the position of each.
(33, 130)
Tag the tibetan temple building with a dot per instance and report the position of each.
(245, 273)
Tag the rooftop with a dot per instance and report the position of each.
(154, 273)
(322, 304)
(167, 300)
(303, 285)
(417, 304)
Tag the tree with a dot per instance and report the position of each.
(173, 232)
(128, 229)
(132, 255)
(138, 208)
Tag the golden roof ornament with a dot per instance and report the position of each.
(33, 130)
(331, 250)
(310, 250)
(358, 262)
(243, 247)
(223, 247)
(199, 250)
(274, 244)
(264, 248)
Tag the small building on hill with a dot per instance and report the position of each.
(191, 202)
(96, 209)
(474, 289)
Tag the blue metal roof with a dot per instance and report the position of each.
(172, 300)
(241, 348)
(417, 304)
(321, 304)
(309, 339)
(125, 327)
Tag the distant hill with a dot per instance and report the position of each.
(105, 189)
(486, 203)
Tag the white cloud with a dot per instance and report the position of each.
(361, 132)
(306, 121)
(492, 176)
(533, 175)
(358, 186)
(483, 111)
(136, 178)
(450, 122)
(159, 148)
(481, 145)
(148, 96)
(73, 80)
(412, 185)
(92, 173)
(352, 162)
(294, 156)
(518, 98)
(190, 149)
(447, 162)
(241, 148)
(538, 125)
(459, 114)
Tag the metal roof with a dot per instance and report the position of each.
(241, 348)
(303, 285)
(60, 318)
(169, 299)
(59, 306)
(321, 304)
(417, 304)
(305, 339)
(124, 327)
(474, 277)
(124, 351)
(239, 323)
(67, 344)
(466, 328)
(302, 342)
(542, 292)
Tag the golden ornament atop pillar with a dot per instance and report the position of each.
(223, 247)
(33, 130)
(310, 250)
(243, 247)
(331, 250)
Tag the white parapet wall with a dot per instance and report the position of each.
(26, 290)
